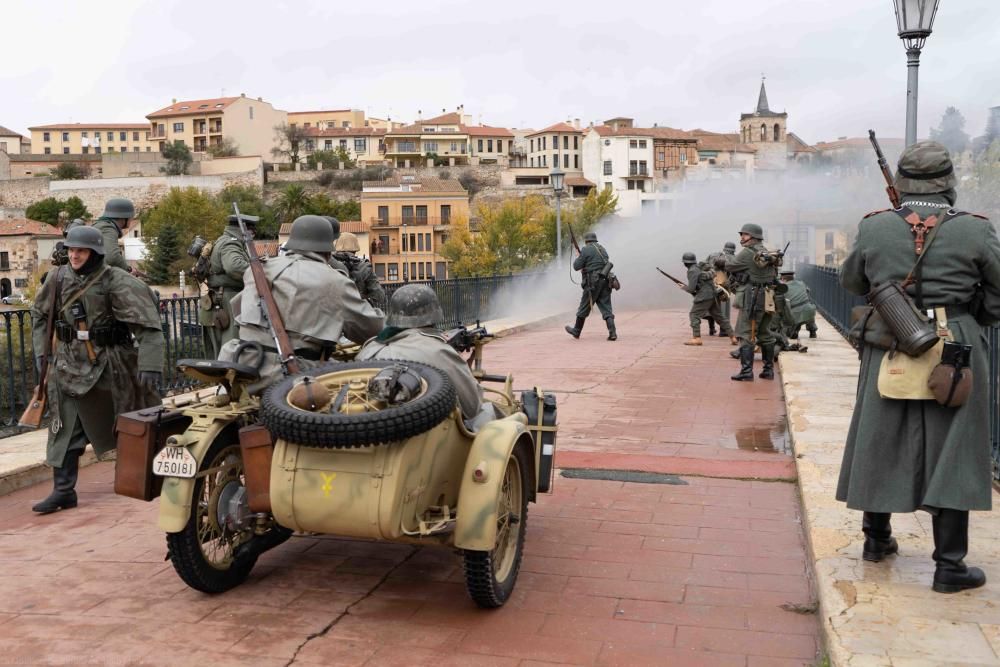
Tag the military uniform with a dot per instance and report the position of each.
(754, 322)
(317, 304)
(903, 455)
(107, 333)
(800, 309)
(358, 269)
(229, 261)
(713, 261)
(596, 287)
(115, 211)
(701, 284)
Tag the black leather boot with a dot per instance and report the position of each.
(711, 327)
(951, 543)
(767, 354)
(746, 364)
(574, 331)
(612, 332)
(735, 354)
(63, 496)
(879, 541)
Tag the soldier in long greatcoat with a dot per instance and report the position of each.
(904, 455)
(107, 356)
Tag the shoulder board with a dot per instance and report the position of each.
(981, 217)
(884, 210)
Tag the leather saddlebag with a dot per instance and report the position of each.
(139, 436)
(257, 447)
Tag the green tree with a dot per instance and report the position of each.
(951, 131)
(289, 139)
(191, 211)
(598, 205)
(225, 148)
(323, 204)
(511, 238)
(164, 252)
(178, 157)
(980, 192)
(330, 159)
(47, 210)
(71, 171)
(251, 202)
(290, 203)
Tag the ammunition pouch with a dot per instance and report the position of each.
(65, 331)
(110, 335)
(914, 332)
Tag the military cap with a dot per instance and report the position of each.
(925, 168)
(590, 237)
(414, 306)
(753, 230)
(729, 246)
(310, 233)
(119, 209)
(689, 258)
(248, 220)
(335, 224)
(85, 237)
(347, 242)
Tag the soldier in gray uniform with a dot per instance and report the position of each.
(228, 262)
(111, 224)
(755, 300)
(728, 250)
(800, 307)
(317, 303)
(410, 335)
(701, 284)
(359, 269)
(107, 357)
(904, 455)
(595, 267)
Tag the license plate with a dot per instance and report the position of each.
(174, 462)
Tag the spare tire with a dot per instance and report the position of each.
(339, 430)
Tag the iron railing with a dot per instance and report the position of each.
(463, 301)
(835, 303)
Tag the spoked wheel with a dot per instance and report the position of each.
(490, 575)
(204, 552)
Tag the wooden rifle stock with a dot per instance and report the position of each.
(32, 415)
(886, 174)
(572, 238)
(268, 307)
(680, 284)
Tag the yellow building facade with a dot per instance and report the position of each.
(249, 123)
(91, 138)
(328, 120)
(408, 222)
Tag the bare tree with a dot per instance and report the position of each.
(289, 139)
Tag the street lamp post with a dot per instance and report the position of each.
(557, 178)
(402, 253)
(914, 19)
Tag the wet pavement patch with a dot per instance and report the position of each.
(622, 476)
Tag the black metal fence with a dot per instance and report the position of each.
(463, 300)
(835, 303)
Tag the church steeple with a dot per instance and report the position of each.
(762, 98)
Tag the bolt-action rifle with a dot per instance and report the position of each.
(572, 238)
(32, 415)
(890, 188)
(679, 283)
(268, 308)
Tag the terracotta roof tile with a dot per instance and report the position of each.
(716, 141)
(453, 118)
(578, 182)
(92, 126)
(4, 132)
(796, 145)
(26, 226)
(426, 184)
(486, 131)
(317, 132)
(558, 127)
(653, 132)
(266, 248)
(194, 107)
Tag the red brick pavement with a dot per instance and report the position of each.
(614, 573)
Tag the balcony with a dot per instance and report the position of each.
(215, 128)
(415, 220)
(641, 172)
(199, 129)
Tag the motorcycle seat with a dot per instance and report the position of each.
(214, 370)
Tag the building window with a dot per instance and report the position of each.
(455, 148)
(565, 160)
(684, 156)
(4, 261)
(65, 136)
(328, 145)
(20, 282)
(777, 132)
(531, 141)
(83, 134)
(565, 142)
(421, 273)
(763, 132)
(532, 161)
(422, 215)
(420, 242)
(543, 142)
(430, 147)
(86, 150)
(576, 142)
(97, 149)
(149, 149)
(135, 149)
(360, 146)
(65, 150)
(445, 214)
(345, 123)
(489, 145)
(643, 169)
(828, 241)
(111, 136)
(251, 113)
(45, 136)
(122, 136)
(642, 143)
(178, 127)
(393, 272)
(122, 149)
(607, 167)
(499, 145)
(407, 147)
(135, 136)
(576, 161)
(343, 144)
(632, 143)
(48, 151)
(383, 215)
(479, 145)
(631, 185)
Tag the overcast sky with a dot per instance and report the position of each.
(836, 66)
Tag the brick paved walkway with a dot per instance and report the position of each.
(709, 572)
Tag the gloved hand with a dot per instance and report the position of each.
(150, 380)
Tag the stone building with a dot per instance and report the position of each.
(10, 141)
(766, 131)
(25, 245)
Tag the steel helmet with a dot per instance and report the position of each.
(347, 242)
(689, 258)
(334, 224)
(310, 233)
(753, 230)
(75, 222)
(119, 209)
(730, 246)
(590, 237)
(248, 220)
(414, 306)
(85, 237)
(925, 168)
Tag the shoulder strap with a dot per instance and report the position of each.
(914, 276)
(83, 290)
(53, 307)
